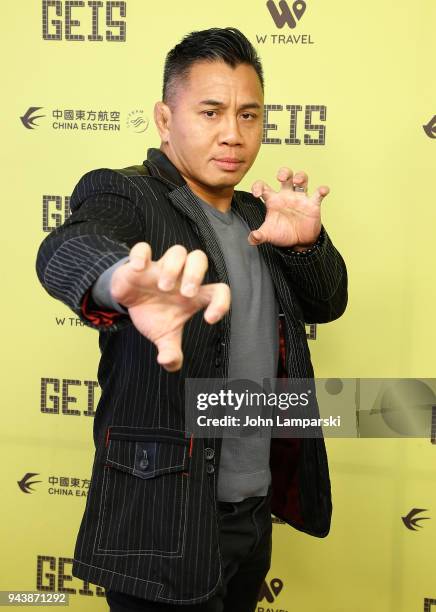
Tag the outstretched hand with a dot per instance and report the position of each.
(162, 295)
(293, 219)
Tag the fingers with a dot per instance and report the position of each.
(285, 176)
(260, 189)
(257, 236)
(320, 194)
(289, 180)
(140, 256)
(193, 274)
(123, 284)
(301, 180)
(219, 297)
(169, 349)
(171, 265)
(179, 266)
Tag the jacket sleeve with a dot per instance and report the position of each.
(101, 289)
(319, 279)
(104, 224)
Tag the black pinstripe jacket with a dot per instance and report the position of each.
(150, 523)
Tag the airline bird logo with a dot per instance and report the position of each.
(27, 119)
(25, 483)
(411, 522)
(430, 128)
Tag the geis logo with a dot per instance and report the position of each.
(285, 14)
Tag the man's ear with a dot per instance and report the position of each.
(162, 118)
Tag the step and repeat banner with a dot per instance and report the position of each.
(350, 97)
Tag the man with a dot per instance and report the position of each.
(185, 277)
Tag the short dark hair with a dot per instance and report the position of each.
(225, 44)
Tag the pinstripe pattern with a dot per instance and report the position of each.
(150, 524)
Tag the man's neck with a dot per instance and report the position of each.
(220, 201)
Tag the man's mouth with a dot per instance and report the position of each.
(228, 163)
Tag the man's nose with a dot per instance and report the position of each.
(230, 131)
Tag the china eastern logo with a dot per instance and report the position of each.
(84, 119)
(26, 482)
(430, 128)
(411, 520)
(30, 116)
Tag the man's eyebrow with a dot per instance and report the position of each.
(218, 103)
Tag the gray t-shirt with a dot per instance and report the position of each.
(254, 347)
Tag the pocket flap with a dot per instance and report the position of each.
(146, 452)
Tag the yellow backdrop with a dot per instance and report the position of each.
(363, 72)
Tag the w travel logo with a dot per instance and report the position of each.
(283, 14)
(268, 595)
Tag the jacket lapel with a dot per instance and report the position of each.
(185, 201)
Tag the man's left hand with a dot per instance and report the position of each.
(293, 219)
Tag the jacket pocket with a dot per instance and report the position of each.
(143, 504)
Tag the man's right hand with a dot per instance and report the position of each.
(162, 295)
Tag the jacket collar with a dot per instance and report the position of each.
(162, 167)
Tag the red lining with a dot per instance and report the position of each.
(98, 317)
(285, 461)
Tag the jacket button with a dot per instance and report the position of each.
(143, 463)
(210, 469)
(209, 453)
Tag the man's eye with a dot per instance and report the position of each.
(211, 113)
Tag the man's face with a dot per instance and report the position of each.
(216, 116)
